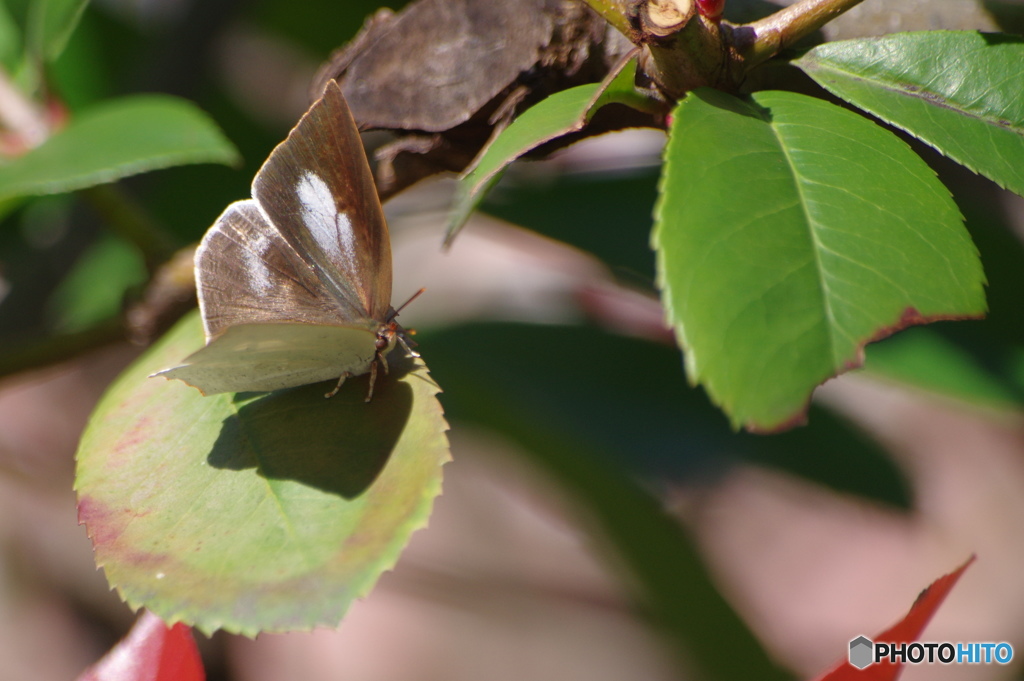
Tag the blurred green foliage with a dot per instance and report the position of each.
(609, 418)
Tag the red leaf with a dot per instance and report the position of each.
(906, 630)
(151, 651)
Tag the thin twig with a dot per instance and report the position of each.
(783, 28)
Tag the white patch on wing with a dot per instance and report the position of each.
(347, 238)
(321, 217)
(255, 264)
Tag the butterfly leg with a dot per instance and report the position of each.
(373, 379)
(405, 346)
(340, 382)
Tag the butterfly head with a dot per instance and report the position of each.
(391, 332)
(387, 336)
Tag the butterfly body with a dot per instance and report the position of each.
(294, 285)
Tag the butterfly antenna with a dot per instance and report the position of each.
(411, 298)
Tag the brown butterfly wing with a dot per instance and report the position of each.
(246, 273)
(317, 191)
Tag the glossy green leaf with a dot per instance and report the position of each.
(958, 91)
(257, 511)
(789, 233)
(116, 139)
(51, 23)
(560, 114)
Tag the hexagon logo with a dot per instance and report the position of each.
(861, 652)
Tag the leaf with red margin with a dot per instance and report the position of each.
(258, 511)
(152, 651)
(906, 630)
(789, 233)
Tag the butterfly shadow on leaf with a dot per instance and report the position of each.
(338, 445)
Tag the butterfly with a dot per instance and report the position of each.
(294, 285)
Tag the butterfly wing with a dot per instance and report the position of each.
(246, 273)
(317, 190)
(263, 357)
(269, 322)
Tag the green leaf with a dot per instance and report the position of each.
(10, 40)
(958, 91)
(257, 511)
(94, 290)
(51, 23)
(789, 233)
(560, 114)
(925, 359)
(116, 139)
